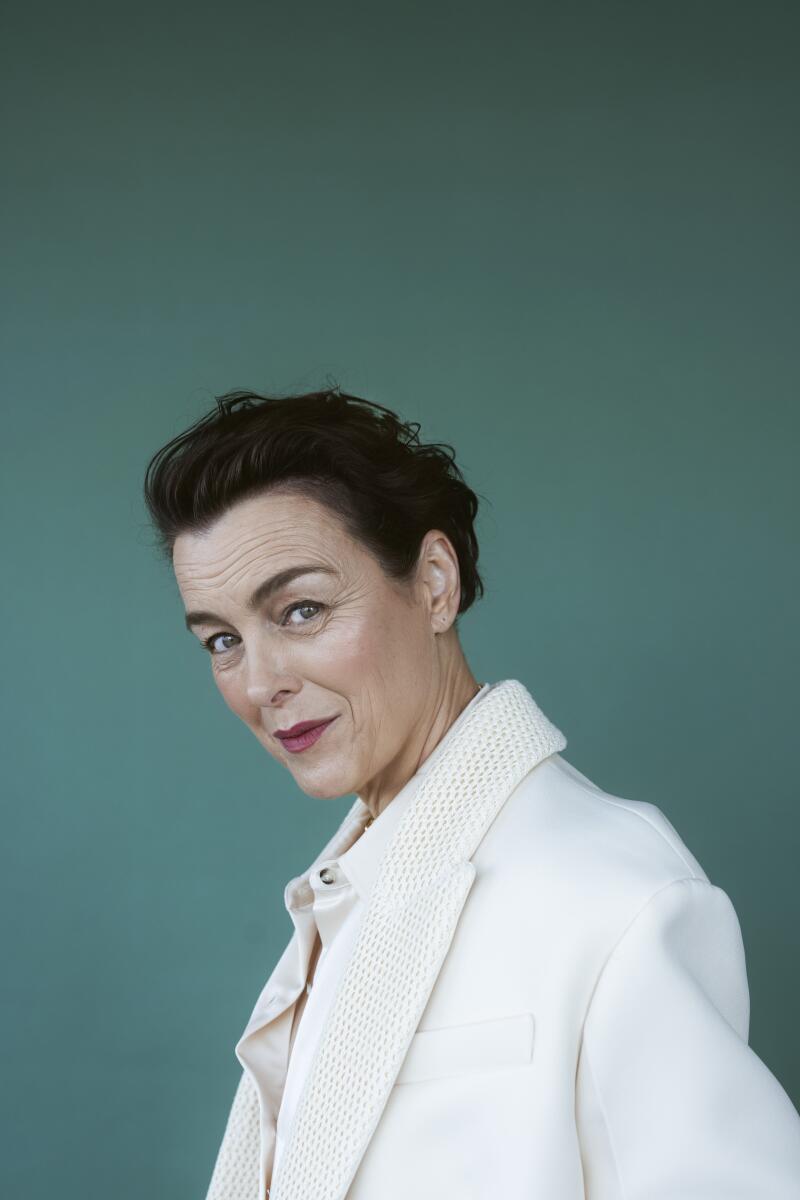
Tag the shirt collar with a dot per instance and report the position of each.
(361, 861)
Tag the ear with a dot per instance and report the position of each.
(440, 578)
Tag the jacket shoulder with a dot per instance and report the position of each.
(576, 844)
(638, 821)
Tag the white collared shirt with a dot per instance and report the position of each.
(327, 904)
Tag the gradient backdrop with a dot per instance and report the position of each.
(561, 236)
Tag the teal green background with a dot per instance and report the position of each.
(561, 236)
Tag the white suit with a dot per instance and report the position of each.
(547, 999)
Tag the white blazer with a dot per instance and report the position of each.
(547, 999)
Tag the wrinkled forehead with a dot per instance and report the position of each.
(265, 528)
(265, 544)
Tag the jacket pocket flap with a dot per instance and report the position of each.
(474, 1046)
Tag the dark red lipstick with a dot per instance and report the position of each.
(303, 734)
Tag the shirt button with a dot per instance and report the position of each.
(327, 875)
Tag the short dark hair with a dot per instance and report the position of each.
(353, 455)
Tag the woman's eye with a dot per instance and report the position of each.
(209, 642)
(296, 607)
(302, 604)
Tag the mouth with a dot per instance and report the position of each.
(306, 737)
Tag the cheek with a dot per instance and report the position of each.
(233, 693)
(346, 645)
(385, 651)
(365, 647)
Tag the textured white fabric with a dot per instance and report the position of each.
(333, 911)
(547, 997)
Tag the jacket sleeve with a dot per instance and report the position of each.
(671, 1101)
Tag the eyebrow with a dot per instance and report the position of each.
(263, 592)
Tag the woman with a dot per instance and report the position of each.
(502, 980)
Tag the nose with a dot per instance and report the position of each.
(266, 695)
(269, 681)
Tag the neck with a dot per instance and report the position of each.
(440, 712)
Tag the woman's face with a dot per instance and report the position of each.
(341, 640)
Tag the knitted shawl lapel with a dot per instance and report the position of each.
(423, 882)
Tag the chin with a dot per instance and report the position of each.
(324, 785)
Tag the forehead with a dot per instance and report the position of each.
(270, 530)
